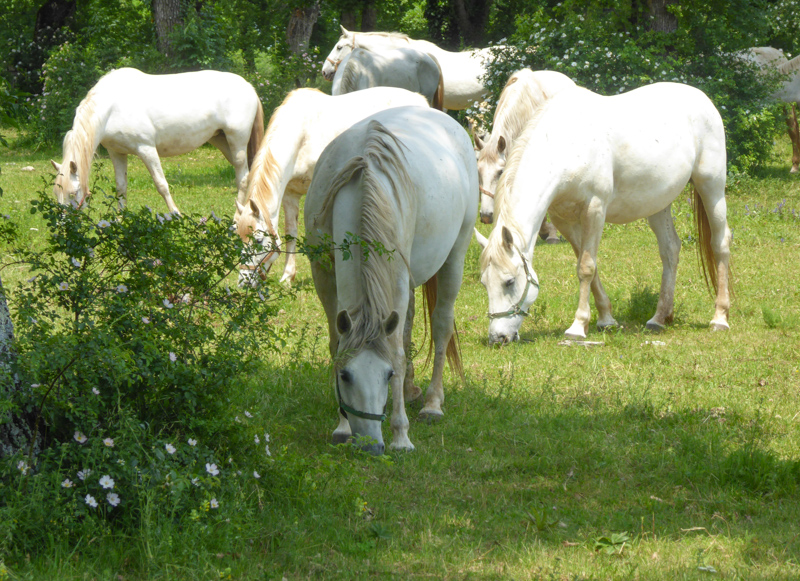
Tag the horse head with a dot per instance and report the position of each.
(511, 283)
(491, 162)
(345, 44)
(68, 188)
(263, 243)
(362, 377)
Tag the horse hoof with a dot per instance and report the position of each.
(719, 327)
(406, 446)
(430, 415)
(412, 394)
(553, 240)
(609, 325)
(654, 327)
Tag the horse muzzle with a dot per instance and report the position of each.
(487, 217)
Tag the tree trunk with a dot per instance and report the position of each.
(301, 24)
(15, 431)
(167, 15)
(348, 19)
(369, 16)
(662, 20)
(471, 16)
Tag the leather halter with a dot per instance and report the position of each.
(262, 273)
(516, 308)
(486, 192)
(344, 409)
(336, 63)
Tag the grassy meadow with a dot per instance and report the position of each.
(665, 457)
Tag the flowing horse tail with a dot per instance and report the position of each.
(256, 134)
(453, 352)
(704, 248)
(438, 96)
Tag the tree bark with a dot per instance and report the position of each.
(471, 16)
(167, 15)
(301, 24)
(662, 19)
(15, 430)
(369, 16)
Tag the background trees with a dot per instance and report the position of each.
(52, 51)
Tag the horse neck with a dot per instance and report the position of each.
(274, 165)
(83, 139)
(524, 200)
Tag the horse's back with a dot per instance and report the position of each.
(436, 154)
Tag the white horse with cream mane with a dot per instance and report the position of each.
(406, 68)
(304, 124)
(462, 71)
(789, 92)
(624, 158)
(152, 116)
(525, 93)
(405, 178)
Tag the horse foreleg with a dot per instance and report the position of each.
(794, 135)
(120, 163)
(669, 248)
(592, 223)
(149, 155)
(236, 154)
(399, 422)
(291, 213)
(410, 391)
(548, 232)
(605, 317)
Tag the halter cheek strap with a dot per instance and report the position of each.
(344, 409)
(516, 308)
(261, 271)
(336, 63)
(486, 192)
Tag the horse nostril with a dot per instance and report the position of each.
(486, 218)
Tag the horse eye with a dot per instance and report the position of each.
(390, 374)
(345, 376)
(510, 282)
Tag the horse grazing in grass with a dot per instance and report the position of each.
(525, 93)
(789, 92)
(406, 68)
(406, 179)
(151, 116)
(616, 162)
(304, 124)
(462, 71)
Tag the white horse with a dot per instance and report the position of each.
(406, 68)
(525, 93)
(615, 162)
(151, 116)
(766, 56)
(405, 178)
(462, 71)
(304, 124)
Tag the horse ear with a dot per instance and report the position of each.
(345, 32)
(476, 138)
(501, 144)
(57, 166)
(482, 240)
(73, 167)
(254, 208)
(391, 323)
(239, 207)
(343, 322)
(508, 239)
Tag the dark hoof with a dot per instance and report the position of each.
(553, 240)
(340, 438)
(414, 394)
(654, 327)
(430, 416)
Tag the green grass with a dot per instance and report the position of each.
(547, 454)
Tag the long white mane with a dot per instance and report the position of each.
(79, 142)
(382, 159)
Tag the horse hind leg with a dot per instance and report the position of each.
(411, 392)
(235, 151)
(291, 213)
(149, 155)
(794, 135)
(714, 238)
(669, 247)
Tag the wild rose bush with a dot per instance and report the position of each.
(132, 339)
